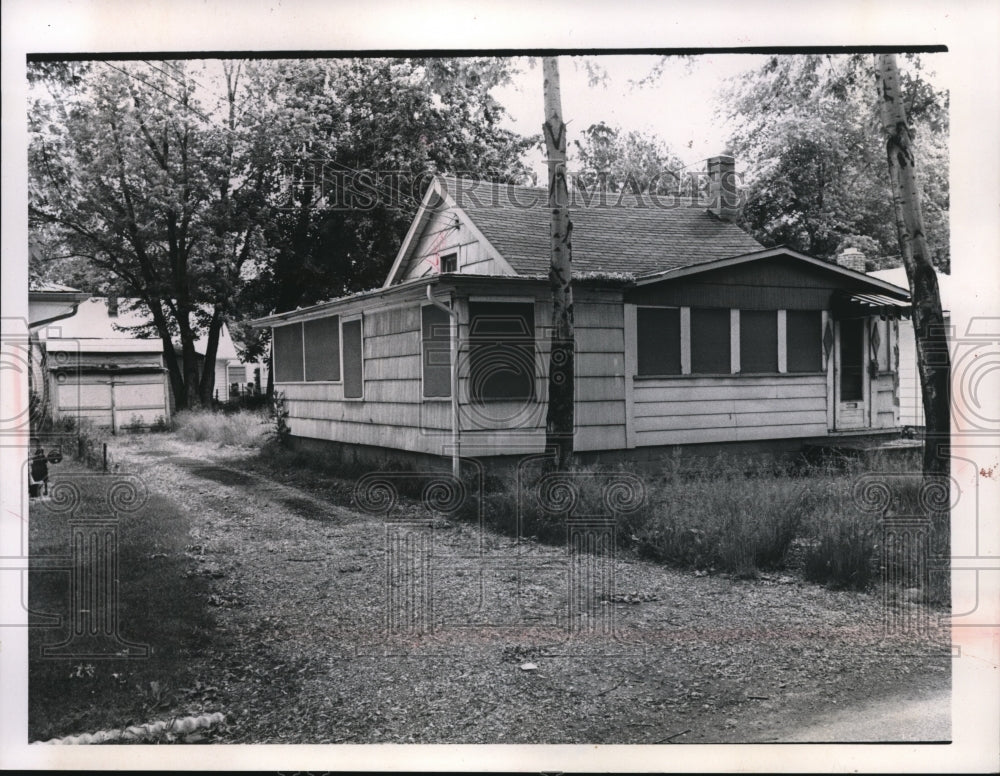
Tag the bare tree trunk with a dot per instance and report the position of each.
(559, 422)
(928, 321)
(206, 388)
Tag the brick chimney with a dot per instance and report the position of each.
(852, 258)
(723, 195)
(112, 306)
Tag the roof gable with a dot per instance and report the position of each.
(799, 263)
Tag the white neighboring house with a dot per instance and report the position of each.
(911, 405)
(91, 363)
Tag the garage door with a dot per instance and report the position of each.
(113, 402)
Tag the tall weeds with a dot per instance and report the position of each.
(234, 429)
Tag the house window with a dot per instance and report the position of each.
(449, 262)
(758, 341)
(501, 351)
(436, 349)
(710, 343)
(287, 345)
(353, 360)
(804, 340)
(322, 349)
(658, 340)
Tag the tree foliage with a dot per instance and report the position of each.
(620, 161)
(809, 135)
(216, 191)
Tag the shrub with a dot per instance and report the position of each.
(237, 429)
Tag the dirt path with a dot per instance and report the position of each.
(306, 588)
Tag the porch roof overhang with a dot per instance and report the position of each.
(854, 305)
(876, 285)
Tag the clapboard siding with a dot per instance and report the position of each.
(654, 409)
(690, 410)
(391, 412)
(735, 434)
(884, 396)
(701, 389)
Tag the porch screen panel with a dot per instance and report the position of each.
(353, 366)
(804, 340)
(322, 348)
(436, 351)
(710, 353)
(287, 343)
(502, 351)
(758, 340)
(658, 340)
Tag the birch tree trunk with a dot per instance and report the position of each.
(928, 321)
(559, 421)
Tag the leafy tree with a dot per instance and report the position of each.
(215, 191)
(632, 162)
(130, 172)
(807, 130)
(360, 139)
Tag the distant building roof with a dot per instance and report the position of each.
(619, 233)
(40, 287)
(897, 275)
(93, 321)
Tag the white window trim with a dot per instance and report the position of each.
(734, 341)
(350, 319)
(685, 340)
(782, 342)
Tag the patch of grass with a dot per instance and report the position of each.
(227, 429)
(160, 604)
(734, 515)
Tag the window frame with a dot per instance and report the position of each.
(453, 333)
(778, 323)
(680, 344)
(302, 344)
(448, 256)
(340, 352)
(729, 350)
(533, 382)
(346, 319)
(818, 341)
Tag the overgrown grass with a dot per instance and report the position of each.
(160, 605)
(725, 515)
(244, 428)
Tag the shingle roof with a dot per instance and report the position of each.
(618, 233)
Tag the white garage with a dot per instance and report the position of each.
(111, 383)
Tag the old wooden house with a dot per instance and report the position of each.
(688, 333)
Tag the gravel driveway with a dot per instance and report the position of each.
(318, 649)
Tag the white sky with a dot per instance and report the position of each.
(680, 106)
